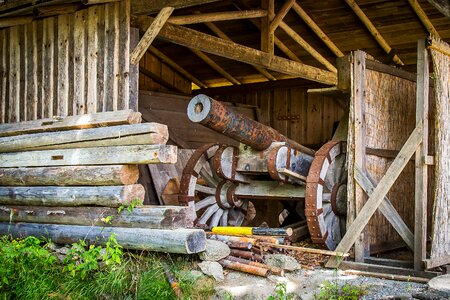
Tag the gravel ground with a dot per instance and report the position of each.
(305, 284)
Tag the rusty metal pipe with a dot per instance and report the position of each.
(244, 268)
(273, 270)
(214, 115)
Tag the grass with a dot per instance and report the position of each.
(332, 290)
(29, 270)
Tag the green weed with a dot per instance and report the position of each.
(281, 293)
(331, 290)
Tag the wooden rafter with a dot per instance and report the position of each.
(150, 34)
(322, 35)
(280, 15)
(423, 17)
(146, 7)
(217, 46)
(373, 30)
(217, 16)
(164, 58)
(215, 66)
(305, 45)
(222, 35)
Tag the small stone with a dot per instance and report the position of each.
(213, 269)
(440, 284)
(62, 250)
(282, 261)
(215, 251)
(191, 275)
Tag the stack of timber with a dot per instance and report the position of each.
(70, 178)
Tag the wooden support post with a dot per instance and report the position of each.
(150, 34)
(15, 21)
(280, 15)
(110, 196)
(72, 175)
(72, 122)
(373, 30)
(322, 35)
(184, 241)
(267, 36)
(374, 201)
(359, 102)
(423, 17)
(215, 66)
(421, 176)
(140, 154)
(217, 16)
(158, 217)
(165, 59)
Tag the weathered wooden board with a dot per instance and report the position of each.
(137, 134)
(185, 241)
(110, 196)
(140, 154)
(159, 217)
(70, 175)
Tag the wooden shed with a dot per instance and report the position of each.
(300, 67)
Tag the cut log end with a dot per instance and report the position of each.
(132, 192)
(129, 174)
(196, 242)
(135, 118)
(167, 154)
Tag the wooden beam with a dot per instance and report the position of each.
(381, 269)
(373, 30)
(322, 35)
(15, 21)
(215, 66)
(141, 154)
(159, 80)
(150, 34)
(305, 45)
(378, 194)
(207, 43)
(165, 59)
(222, 35)
(95, 2)
(386, 208)
(267, 36)
(442, 5)
(437, 262)
(421, 169)
(217, 16)
(423, 17)
(145, 7)
(54, 10)
(280, 15)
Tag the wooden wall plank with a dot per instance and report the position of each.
(63, 65)
(124, 50)
(14, 76)
(48, 55)
(23, 80)
(134, 73)
(92, 50)
(79, 35)
(101, 51)
(32, 73)
(3, 74)
(111, 55)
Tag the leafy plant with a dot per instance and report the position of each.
(135, 202)
(331, 290)
(281, 293)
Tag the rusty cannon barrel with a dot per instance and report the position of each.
(216, 116)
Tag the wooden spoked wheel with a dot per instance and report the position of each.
(211, 196)
(326, 195)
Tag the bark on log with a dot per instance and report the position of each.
(70, 176)
(139, 154)
(184, 241)
(156, 217)
(103, 119)
(110, 196)
(136, 134)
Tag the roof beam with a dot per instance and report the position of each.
(310, 22)
(299, 40)
(280, 15)
(146, 7)
(218, 16)
(215, 66)
(165, 59)
(150, 34)
(373, 30)
(423, 17)
(220, 47)
(222, 35)
(15, 21)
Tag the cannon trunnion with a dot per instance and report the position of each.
(268, 173)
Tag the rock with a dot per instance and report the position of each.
(441, 285)
(213, 269)
(282, 261)
(62, 250)
(192, 275)
(215, 251)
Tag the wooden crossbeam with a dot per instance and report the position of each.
(15, 21)
(373, 30)
(94, 2)
(150, 34)
(423, 17)
(215, 66)
(165, 59)
(54, 10)
(386, 208)
(314, 27)
(217, 16)
(146, 7)
(222, 35)
(378, 194)
(217, 46)
(305, 45)
(280, 15)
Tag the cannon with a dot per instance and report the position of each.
(266, 175)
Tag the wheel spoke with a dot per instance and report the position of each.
(224, 218)
(208, 213)
(216, 217)
(204, 203)
(205, 189)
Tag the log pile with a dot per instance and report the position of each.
(77, 177)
